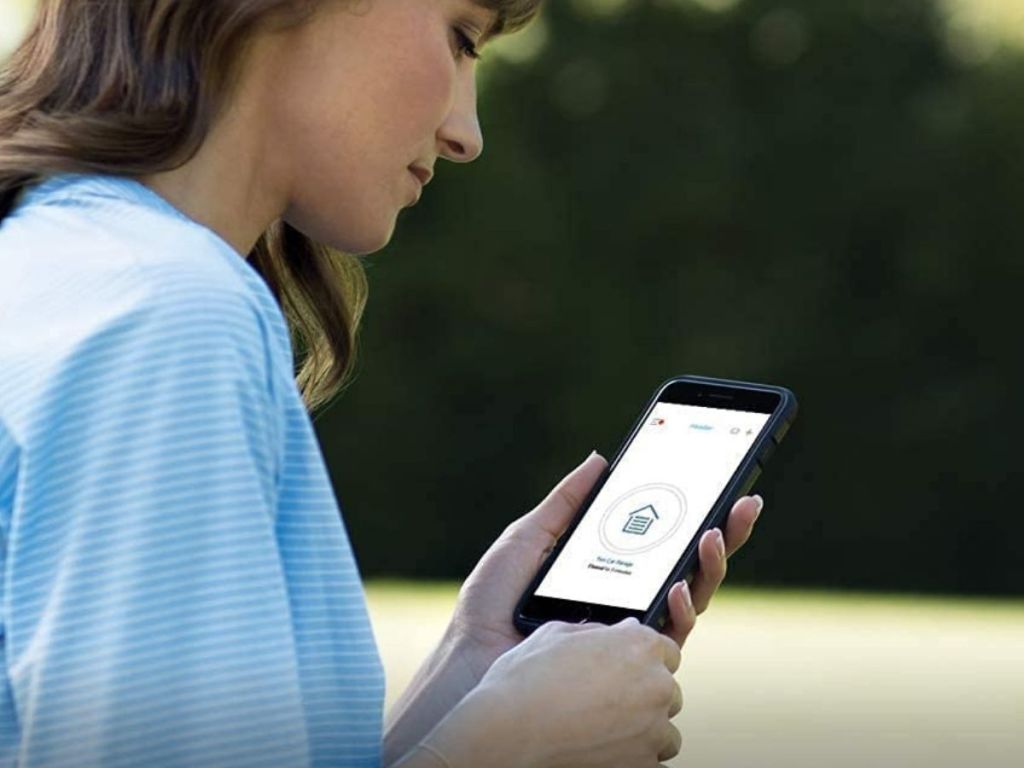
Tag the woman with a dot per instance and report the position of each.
(176, 181)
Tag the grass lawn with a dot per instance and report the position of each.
(810, 679)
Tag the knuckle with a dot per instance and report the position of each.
(665, 690)
(568, 498)
(630, 631)
(655, 693)
(628, 625)
(650, 638)
(676, 705)
(550, 628)
(668, 648)
(637, 652)
(563, 627)
(654, 735)
(672, 748)
(511, 531)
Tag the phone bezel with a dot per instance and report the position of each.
(533, 611)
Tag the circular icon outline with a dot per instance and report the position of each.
(614, 507)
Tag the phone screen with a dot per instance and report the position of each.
(652, 505)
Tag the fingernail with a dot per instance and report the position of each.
(687, 597)
(760, 505)
(720, 542)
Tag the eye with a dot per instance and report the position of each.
(465, 45)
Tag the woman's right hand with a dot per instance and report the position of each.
(570, 696)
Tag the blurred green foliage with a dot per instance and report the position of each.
(824, 195)
(820, 195)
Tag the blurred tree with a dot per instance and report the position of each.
(823, 195)
(816, 194)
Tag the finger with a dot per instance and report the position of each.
(636, 632)
(712, 569)
(554, 514)
(741, 521)
(713, 564)
(672, 741)
(682, 614)
(677, 702)
(670, 653)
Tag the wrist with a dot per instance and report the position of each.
(477, 647)
(432, 755)
(482, 730)
(444, 679)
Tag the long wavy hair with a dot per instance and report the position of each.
(132, 88)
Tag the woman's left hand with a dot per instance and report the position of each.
(483, 615)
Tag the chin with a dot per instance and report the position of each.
(368, 244)
(358, 239)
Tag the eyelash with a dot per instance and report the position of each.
(465, 45)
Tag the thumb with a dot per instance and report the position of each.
(554, 514)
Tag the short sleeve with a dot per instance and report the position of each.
(146, 614)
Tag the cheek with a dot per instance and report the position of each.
(352, 128)
(410, 97)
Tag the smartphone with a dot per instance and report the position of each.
(698, 446)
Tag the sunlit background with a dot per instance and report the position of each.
(826, 195)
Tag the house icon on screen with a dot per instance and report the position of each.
(640, 521)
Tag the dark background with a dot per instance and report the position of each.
(824, 195)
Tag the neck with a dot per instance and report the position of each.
(230, 185)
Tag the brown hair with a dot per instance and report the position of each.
(131, 88)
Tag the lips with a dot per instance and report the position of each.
(422, 173)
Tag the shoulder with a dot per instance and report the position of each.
(79, 255)
(147, 293)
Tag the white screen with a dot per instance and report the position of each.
(652, 505)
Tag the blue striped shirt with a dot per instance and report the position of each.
(176, 584)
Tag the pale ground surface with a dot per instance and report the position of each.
(816, 679)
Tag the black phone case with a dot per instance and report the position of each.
(739, 485)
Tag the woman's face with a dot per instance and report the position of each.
(366, 97)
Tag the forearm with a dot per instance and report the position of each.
(441, 683)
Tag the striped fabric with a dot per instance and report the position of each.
(177, 587)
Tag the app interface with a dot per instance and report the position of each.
(652, 505)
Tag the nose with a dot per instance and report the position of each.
(460, 138)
